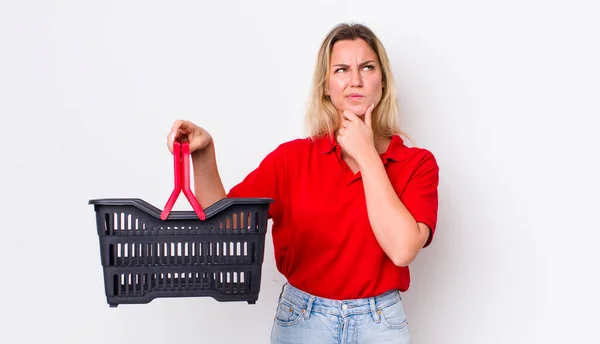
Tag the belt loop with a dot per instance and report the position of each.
(308, 310)
(374, 312)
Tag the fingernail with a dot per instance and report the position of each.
(372, 106)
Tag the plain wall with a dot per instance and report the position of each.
(505, 94)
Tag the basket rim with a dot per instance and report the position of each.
(180, 214)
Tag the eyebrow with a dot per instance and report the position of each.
(360, 65)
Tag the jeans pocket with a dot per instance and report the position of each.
(393, 316)
(287, 314)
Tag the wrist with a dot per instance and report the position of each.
(208, 151)
(369, 158)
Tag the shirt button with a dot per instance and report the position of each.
(344, 307)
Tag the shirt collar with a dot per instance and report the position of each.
(327, 144)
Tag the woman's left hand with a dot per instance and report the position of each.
(355, 136)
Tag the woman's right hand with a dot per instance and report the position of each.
(186, 131)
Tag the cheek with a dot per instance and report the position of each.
(375, 83)
(337, 86)
(376, 88)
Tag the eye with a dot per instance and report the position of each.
(341, 69)
(369, 67)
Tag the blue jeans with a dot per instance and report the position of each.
(304, 318)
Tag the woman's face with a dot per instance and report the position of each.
(355, 78)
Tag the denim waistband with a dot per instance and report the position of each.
(343, 308)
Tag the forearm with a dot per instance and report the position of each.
(394, 227)
(207, 181)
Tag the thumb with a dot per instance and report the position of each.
(368, 115)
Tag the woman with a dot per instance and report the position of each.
(353, 204)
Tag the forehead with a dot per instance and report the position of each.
(348, 51)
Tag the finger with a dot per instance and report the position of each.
(170, 142)
(341, 132)
(176, 125)
(178, 129)
(346, 123)
(350, 115)
(368, 115)
(173, 134)
(181, 127)
(184, 135)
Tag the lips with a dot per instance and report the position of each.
(355, 96)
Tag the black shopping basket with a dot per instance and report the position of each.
(148, 254)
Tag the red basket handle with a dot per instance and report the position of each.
(181, 162)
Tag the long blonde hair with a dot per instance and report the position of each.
(321, 116)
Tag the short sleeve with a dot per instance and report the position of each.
(420, 196)
(263, 182)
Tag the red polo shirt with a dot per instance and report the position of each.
(322, 238)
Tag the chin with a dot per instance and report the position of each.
(358, 110)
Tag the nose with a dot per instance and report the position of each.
(356, 79)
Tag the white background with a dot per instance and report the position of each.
(505, 94)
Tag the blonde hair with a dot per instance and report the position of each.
(321, 116)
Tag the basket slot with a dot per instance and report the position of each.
(227, 281)
(122, 223)
(131, 284)
(139, 253)
(138, 284)
(198, 248)
(206, 252)
(239, 222)
(213, 254)
(163, 281)
(112, 255)
(108, 226)
(257, 222)
(182, 253)
(167, 252)
(119, 254)
(219, 254)
(132, 223)
(232, 282)
(146, 284)
(239, 283)
(235, 284)
(174, 253)
(158, 260)
(133, 253)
